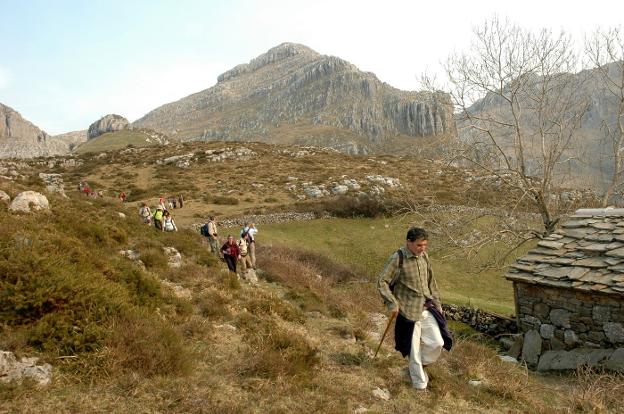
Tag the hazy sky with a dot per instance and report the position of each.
(64, 64)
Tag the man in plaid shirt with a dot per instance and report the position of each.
(405, 288)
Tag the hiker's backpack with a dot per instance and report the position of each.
(398, 271)
(204, 230)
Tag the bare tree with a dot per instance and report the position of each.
(519, 108)
(605, 53)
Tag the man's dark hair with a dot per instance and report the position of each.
(416, 233)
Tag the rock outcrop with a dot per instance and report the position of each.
(20, 138)
(108, 123)
(292, 94)
(12, 370)
(29, 200)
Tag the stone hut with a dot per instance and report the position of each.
(569, 294)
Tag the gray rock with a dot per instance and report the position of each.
(340, 190)
(29, 200)
(516, 349)
(547, 331)
(614, 332)
(108, 123)
(560, 318)
(4, 198)
(616, 360)
(532, 347)
(601, 313)
(175, 258)
(569, 337)
(568, 360)
(507, 358)
(54, 183)
(12, 370)
(382, 394)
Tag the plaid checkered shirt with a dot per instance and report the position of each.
(413, 284)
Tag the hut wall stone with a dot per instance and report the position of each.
(568, 319)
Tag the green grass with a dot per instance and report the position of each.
(365, 245)
(114, 141)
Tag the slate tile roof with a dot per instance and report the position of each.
(586, 254)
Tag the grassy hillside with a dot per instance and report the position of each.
(122, 337)
(115, 141)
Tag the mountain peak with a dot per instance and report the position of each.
(278, 53)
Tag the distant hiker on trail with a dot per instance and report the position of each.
(230, 253)
(169, 205)
(181, 201)
(410, 292)
(168, 223)
(209, 230)
(146, 213)
(122, 196)
(173, 201)
(158, 217)
(161, 202)
(250, 228)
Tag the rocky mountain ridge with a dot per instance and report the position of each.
(294, 95)
(20, 138)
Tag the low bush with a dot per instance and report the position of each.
(143, 343)
(224, 200)
(275, 352)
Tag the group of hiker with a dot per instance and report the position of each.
(84, 188)
(171, 202)
(235, 251)
(161, 218)
(406, 285)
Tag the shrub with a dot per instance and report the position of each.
(143, 343)
(275, 351)
(225, 200)
(212, 304)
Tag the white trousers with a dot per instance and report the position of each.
(426, 348)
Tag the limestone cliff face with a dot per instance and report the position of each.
(108, 123)
(293, 92)
(19, 138)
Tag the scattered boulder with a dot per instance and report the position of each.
(121, 215)
(382, 394)
(175, 258)
(340, 190)
(532, 347)
(13, 370)
(54, 183)
(29, 200)
(568, 360)
(616, 360)
(4, 197)
(178, 291)
(108, 123)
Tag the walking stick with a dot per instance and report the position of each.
(385, 333)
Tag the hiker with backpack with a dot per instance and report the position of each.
(158, 217)
(410, 292)
(209, 230)
(145, 213)
(247, 271)
(251, 230)
(168, 224)
(230, 253)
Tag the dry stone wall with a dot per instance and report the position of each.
(567, 319)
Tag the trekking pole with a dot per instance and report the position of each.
(385, 333)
